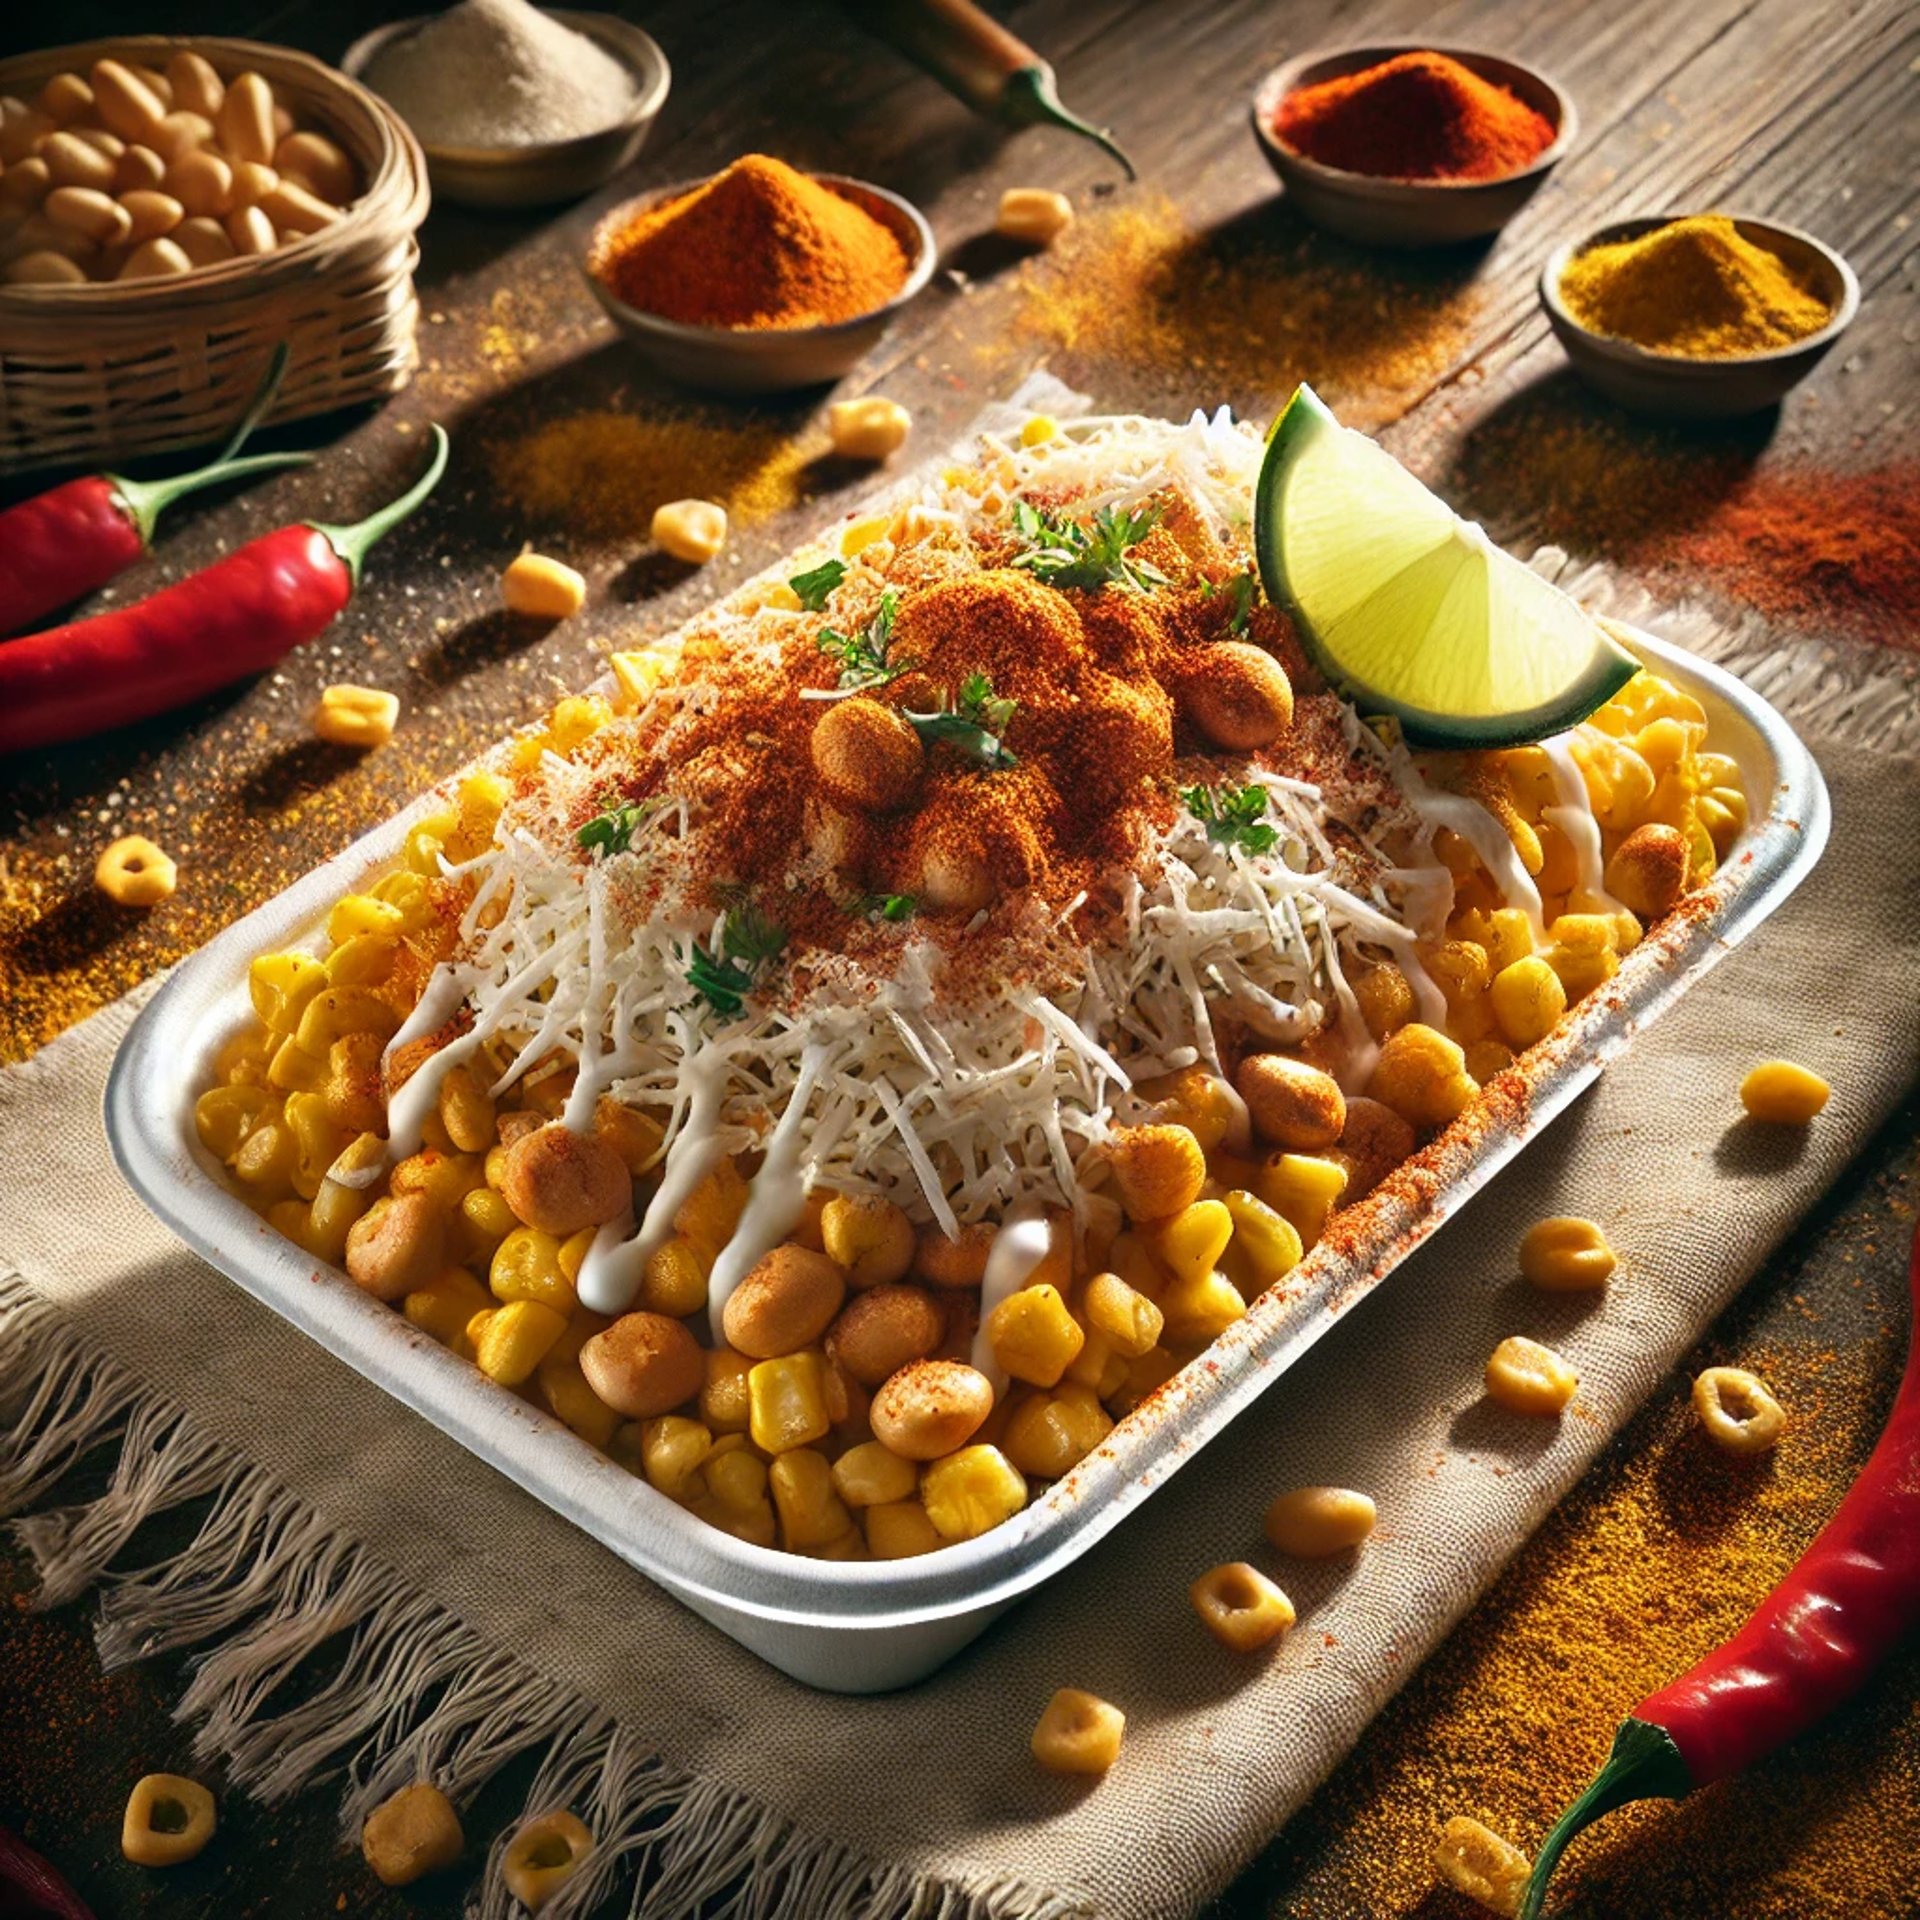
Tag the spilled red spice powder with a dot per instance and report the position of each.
(1418, 116)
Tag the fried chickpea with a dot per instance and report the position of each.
(884, 1329)
(412, 1833)
(1158, 1169)
(866, 754)
(1422, 1076)
(1240, 1606)
(1372, 1143)
(1078, 1733)
(1525, 1377)
(1474, 1860)
(397, 1246)
(1292, 1105)
(1648, 871)
(786, 1301)
(1739, 1413)
(950, 1263)
(1566, 1255)
(543, 1856)
(1312, 1523)
(644, 1365)
(1783, 1094)
(1238, 696)
(561, 1181)
(931, 1408)
(692, 531)
(168, 1820)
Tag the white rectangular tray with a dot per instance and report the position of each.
(862, 1627)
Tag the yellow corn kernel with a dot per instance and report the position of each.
(871, 1475)
(692, 531)
(575, 720)
(1189, 1245)
(350, 716)
(445, 1178)
(1035, 216)
(1783, 1093)
(1422, 1076)
(869, 1236)
(224, 1116)
(478, 1326)
(1033, 1336)
(581, 1327)
(967, 1492)
(294, 1070)
(1240, 1606)
(1266, 1245)
(858, 535)
(1047, 1434)
(1194, 1098)
(280, 985)
(1039, 429)
(317, 1141)
(900, 1529)
(734, 1474)
(334, 1012)
(482, 1222)
(1559, 864)
(1130, 1258)
(635, 1136)
(242, 1060)
(1459, 969)
(1566, 1255)
(811, 1513)
(1098, 1366)
(1313, 1523)
(1505, 935)
(1201, 1308)
(726, 1400)
(341, 1201)
(1128, 1321)
(672, 1449)
(365, 960)
(637, 675)
(1582, 964)
(1663, 744)
(356, 914)
(1528, 998)
(1525, 1377)
(445, 1304)
(291, 1218)
(574, 1250)
(712, 1211)
(1721, 813)
(1146, 1375)
(516, 1338)
(1485, 1058)
(1078, 1733)
(1157, 1170)
(466, 1110)
(1474, 1860)
(1619, 782)
(1385, 999)
(1303, 1188)
(674, 1279)
(478, 803)
(425, 842)
(526, 1266)
(1739, 1413)
(266, 1157)
(787, 1402)
(868, 428)
(545, 588)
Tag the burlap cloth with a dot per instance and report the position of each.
(712, 1765)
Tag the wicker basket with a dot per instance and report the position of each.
(147, 366)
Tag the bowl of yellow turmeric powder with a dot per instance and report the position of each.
(1697, 317)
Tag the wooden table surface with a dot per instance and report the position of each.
(1197, 287)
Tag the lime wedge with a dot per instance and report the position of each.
(1410, 610)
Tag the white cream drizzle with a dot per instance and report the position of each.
(410, 1106)
(1574, 817)
(1483, 833)
(1023, 1241)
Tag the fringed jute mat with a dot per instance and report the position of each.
(478, 1626)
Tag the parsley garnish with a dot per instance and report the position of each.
(748, 940)
(611, 832)
(1233, 816)
(884, 906)
(973, 724)
(1239, 593)
(1075, 553)
(815, 585)
(863, 655)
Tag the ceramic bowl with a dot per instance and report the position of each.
(1676, 386)
(537, 176)
(1408, 213)
(767, 359)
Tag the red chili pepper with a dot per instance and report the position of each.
(232, 619)
(1814, 1642)
(74, 538)
(30, 1884)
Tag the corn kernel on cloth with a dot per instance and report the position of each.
(478, 1624)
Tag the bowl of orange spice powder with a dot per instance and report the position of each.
(1411, 146)
(762, 278)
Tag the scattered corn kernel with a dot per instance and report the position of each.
(168, 1820)
(869, 428)
(543, 587)
(1737, 1410)
(1033, 215)
(690, 530)
(1240, 1606)
(1474, 1860)
(516, 1339)
(412, 1833)
(1312, 1523)
(1078, 1733)
(811, 1513)
(1566, 1254)
(350, 716)
(900, 1529)
(543, 1856)
(133, 872)
(1525, 1377)
(1783, 1094)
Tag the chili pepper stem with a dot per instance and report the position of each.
(351, 543)
(1644, 1765)
(1031, 98)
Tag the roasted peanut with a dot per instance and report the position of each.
(561, 1181)
(931, 1408)
(644, 1365)
(785, 1302)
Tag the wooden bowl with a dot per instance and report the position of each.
(540, 175)
(767, 359)
(102, 371)
(1675, 386)
(1409, 213)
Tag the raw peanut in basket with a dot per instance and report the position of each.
(396, 1246)
(1237, 695)
(1373, 1141)
(1158, 1170)
(953, 1263)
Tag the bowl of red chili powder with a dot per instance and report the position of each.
(1411, 146)
(760, 279)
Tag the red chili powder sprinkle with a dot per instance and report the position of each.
(1419, 116)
